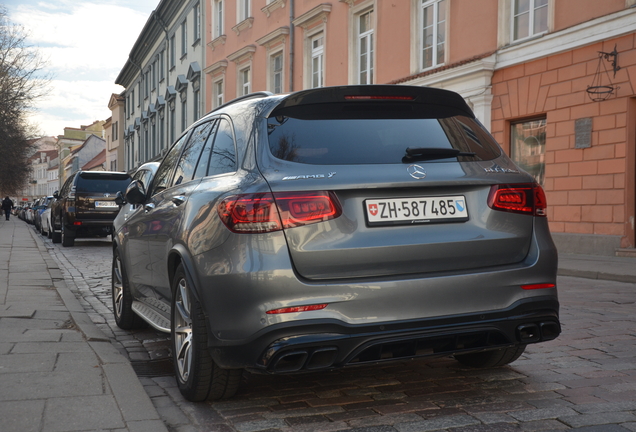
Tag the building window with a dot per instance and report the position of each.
(154, 75)
(365, 48)
(529, 18)
(161, 69)
(132, 99)
(173, 51)
(317, 59)
(161, 138)
(195, 105)
(173, 124)
(527, 147)
(244, 9)
(244, 82)
(115, 131)
(218, 94)
(184, 115)
(197, 23)
(276, 72)
(433, 32)
(217, 19)
(184, 38)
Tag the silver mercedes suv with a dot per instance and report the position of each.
(334, 227)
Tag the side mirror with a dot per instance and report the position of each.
(56, 195)
(136, 192)
(119, 199)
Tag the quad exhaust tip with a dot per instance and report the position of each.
(535, 332)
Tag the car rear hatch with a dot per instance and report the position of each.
(95, 194)
(376, 181)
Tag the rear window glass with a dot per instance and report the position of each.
(376, 141)
(102, 184)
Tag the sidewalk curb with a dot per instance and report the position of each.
(596, 275)
(134, 403)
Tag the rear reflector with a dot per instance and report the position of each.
(76, 223)
(266, 212)
(405, 98)
(525, 198)
(538, 286)
(297, 309)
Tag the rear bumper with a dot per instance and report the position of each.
(327, 344)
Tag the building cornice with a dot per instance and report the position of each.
(217, 41)
(243, 25)
(243, 54)
(274, 37)
(216, 68)
(310, 17)
(272, 6)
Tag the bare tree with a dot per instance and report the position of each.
(22, 82)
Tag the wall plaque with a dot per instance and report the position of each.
(583, 132)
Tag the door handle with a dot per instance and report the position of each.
(178, 200)
(149, 207)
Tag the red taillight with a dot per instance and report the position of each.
(76, 223)
(297, 309)
(538, 286)
(250, 213)
(526, 198)
(266, 212)
(302, 208)
(406, 98)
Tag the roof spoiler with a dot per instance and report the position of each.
(362, 101)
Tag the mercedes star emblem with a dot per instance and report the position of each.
(416, 171)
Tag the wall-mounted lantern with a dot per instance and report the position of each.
(598, 91)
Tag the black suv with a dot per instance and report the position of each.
(85, 206)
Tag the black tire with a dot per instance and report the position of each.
(49, 233)
(493, 358)
(125, 318)
(68, 236)
(198, 376)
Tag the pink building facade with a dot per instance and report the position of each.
(530, 70)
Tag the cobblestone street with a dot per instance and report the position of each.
(585, 380)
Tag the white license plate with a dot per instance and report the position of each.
(103, 204)
(416, 210)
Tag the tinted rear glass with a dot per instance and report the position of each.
(375, 141)
(102, 184)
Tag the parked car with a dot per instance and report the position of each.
(335, 227)
(85, 206)
(28, 213)
(144, 175)
(39, 207)
(45, 219)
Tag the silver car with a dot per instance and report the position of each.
(334, 227)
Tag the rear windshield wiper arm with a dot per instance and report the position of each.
(434, 153)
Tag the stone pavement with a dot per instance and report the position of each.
(58, 371)
(583, 381)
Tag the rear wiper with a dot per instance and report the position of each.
(433, 153)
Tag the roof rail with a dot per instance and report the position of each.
(254, 95)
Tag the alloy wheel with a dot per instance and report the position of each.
(118, 287)
(183, 331)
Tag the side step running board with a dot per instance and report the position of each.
(155, 319)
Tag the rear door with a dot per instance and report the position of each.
(95, 194)
(412, 174)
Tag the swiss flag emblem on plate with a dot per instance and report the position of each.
(373, 209)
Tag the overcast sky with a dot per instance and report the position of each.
(86, 44)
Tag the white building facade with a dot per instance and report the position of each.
(162, 80)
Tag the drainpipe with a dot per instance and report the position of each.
(292, 40)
